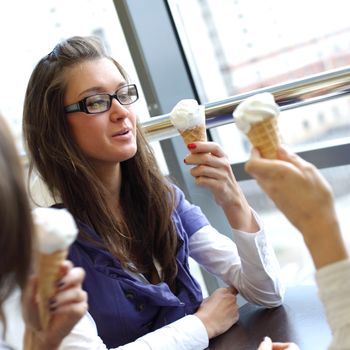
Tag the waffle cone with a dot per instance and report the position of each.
(48, 267)
(265, 137)
(198, 133)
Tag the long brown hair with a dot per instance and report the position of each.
(143, 230)
(15, 220)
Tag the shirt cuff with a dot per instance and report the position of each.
(334, 285)
(187, 333)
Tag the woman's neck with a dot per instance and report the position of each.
(110, 175)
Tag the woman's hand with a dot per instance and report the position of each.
(212, 170)
(268, 345)
(219, 311)
(67, 307)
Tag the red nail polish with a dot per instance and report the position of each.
(185, 161)
(191, 146)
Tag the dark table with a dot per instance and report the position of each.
(300, 319)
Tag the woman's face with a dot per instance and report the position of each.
(108, 137)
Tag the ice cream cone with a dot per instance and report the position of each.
(48, 267)
(188, 117)
(257, 117)
(198, 133)
(265, 137)
(55, 232)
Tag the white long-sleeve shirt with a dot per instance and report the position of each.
(249, 264)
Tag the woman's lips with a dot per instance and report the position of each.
(123, 134)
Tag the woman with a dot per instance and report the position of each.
(137, 230)
(16, 242)
(290, 181)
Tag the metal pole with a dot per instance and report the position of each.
(297, 93)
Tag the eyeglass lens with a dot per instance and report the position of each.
(102, 102)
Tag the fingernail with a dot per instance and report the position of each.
(52, 301)
(185, 160)
(52, 308)
(60, 284)
(191, 146)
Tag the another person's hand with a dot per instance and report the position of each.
(67, 307)
(296, 187)
(305, 197)
(219, 311)
(268, 345)
(213, 171)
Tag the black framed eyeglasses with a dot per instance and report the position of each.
(99, 103)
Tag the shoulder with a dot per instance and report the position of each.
(186, 214)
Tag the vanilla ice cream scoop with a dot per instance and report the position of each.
(255, 109)
(56, 229)
(188, 117)
(187, 114)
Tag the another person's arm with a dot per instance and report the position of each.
(303, 195)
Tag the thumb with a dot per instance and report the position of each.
(291, 157)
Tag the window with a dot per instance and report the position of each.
(239, 46)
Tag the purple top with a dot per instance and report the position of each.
(123, 307)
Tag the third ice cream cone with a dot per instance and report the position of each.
(48, 275)
(56, 230)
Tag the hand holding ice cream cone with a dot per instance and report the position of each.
(56, 230)
(257, 116)
(189, 119)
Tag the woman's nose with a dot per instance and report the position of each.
(117, 110)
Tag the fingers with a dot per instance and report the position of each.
(268, 168)
(75, 276)
(65, 267)
(266, 344)
(69, 290)
(206, 147)
(233, 290)
(291, 157)
(67, 299)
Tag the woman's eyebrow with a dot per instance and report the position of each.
(94, 89)
(99, 89)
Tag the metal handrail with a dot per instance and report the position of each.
(294, 94)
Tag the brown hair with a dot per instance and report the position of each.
(144, 229)
(15, 221)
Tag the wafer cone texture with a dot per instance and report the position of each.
(197, 133)
(48, 266)
(265, 137)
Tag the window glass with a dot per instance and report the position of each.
(251, 44)
(237, 46)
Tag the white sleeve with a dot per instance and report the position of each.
(187, 333)
(250, 264)
(334, 290)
